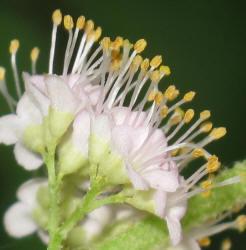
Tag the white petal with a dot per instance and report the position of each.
(101, 127)
(10, 129)
(103, 215)
(37, 96)
(160, 202)
(92, 227)
(18, 221)
(28, 111)
(162, 179)
(175, 229)
(138, 181)
(174, 215)
(44, 236)
(61, 96)
(37, 80)
(81, 132)
(27, 192)
(26, 158)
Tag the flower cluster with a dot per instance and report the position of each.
(104, 122)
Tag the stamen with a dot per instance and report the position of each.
(165, 70)
(204, 242)
(13, 48)
(241, 222)
(3, 89)
(68, 24)
(57, 19)
(140, 45)
(34, 57)
(156, 61)
(226, 244)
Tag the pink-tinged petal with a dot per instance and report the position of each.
(44, 236)
(10, 129)
(37, 96)
(160, 203)
(37, 80)
(174, 215)
(61, 96)
(175, 230)
(138, 181)
(162, 179)
(28, 112)
(94, 95)
(121, 140)
(27, 191)
(119, 115)
(18, 220)
(101, 127)
(26, 158)
(81, 132)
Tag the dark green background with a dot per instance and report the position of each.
(203, 41)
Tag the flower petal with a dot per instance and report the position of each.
(27, 191)
(10, 129)
(18, 220)
(44, 236)
(61, 96)
(160, 202)
(162, 179)
(26, 158)
(37, 96)
(174, 215)
(81, 132)
(28, 112)
(101, 127)
(138, 181)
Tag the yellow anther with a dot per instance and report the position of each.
(226, 244)
(14, 46)
(206, 184)
(217, 133)
(105, 43)
(98, 33)
(136, 62)
(145, 64)
(159, 98)
(206, 127)
(165, 70)
(213, 164)
(204, 115)
(155, 76)
(171, 93)
(197, 153)
(91, 35)
(241, 222)
(140, 45)
(176, 119)
(117, 43)
(156, 61)
(183, 150)
(115, 65)
(204, 242)
(174, 153)
(57, 17)
(188, 97)
(2, 73)
(164, 110)
(89, 26)
(189, 114)
(151, 96)
(126, 43)
(34, 54)
(80, 22)
(68, 22)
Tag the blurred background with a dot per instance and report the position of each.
(203, 42)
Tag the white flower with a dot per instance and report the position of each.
(99, 113)
(18, 220)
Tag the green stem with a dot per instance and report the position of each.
(55, 239)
